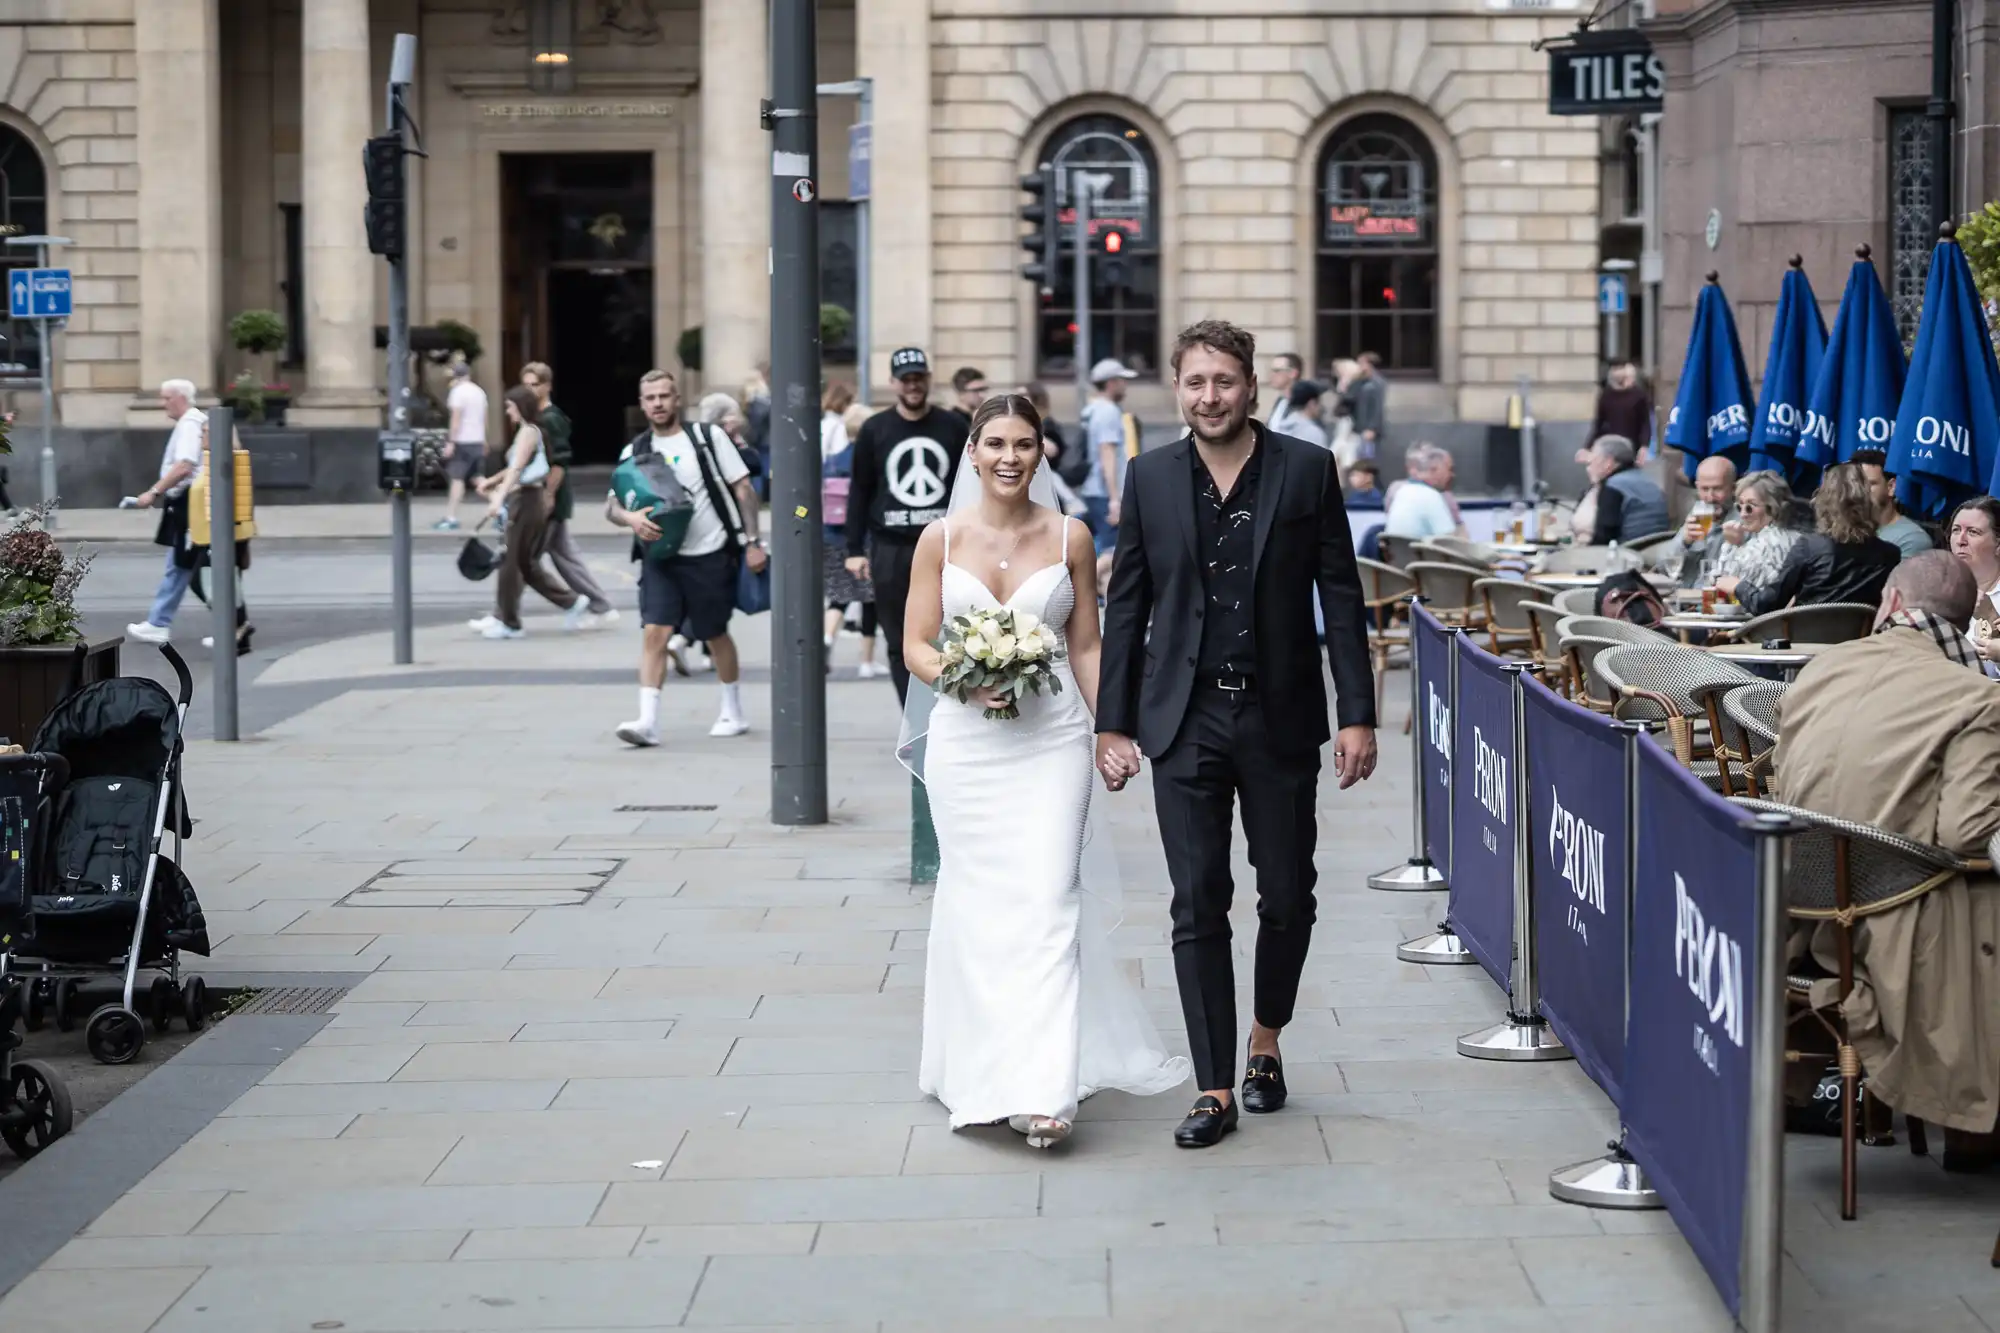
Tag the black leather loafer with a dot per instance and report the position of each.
(1206, 1123)
(1263, 1085)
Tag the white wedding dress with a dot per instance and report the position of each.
(1025, 1009)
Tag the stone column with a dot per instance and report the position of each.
(735, 192)
(892, 45)
(178, 49)
(339, 111)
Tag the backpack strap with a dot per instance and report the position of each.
(711, 477)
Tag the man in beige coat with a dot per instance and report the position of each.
(1902, 730)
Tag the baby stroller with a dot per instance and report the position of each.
(106, 902)
(35, 1107)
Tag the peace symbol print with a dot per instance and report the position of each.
(917, 469)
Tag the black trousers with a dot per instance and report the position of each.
(1223, 752)
(889, 570)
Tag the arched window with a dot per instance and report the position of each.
(1125, 291)
(24, 211)
(1376, 286)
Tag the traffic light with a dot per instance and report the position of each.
(1040, 238)
(1111, 245)
(382, 160)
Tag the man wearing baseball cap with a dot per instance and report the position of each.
(1103, 440)
(905, 462)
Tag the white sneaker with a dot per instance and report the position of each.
(677, 654)
(728, 725)
(699, 662)
(496, 630)
(147, 632)
(481, 625)
(633, 733)
(577, 617)
(870, 670)
(608, 616)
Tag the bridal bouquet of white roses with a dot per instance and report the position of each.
(1011, 652)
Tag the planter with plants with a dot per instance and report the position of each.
(43, 654)
(256, 400)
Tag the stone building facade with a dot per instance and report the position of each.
(1339, 175)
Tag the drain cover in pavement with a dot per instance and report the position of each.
(294, 1000)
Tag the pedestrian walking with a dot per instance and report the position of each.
(522, 486)
(1104, 437)
(905, 462)
(464, 441)
(693, 590)
(179, 462)
(1368, 404)
(1286, 370)
(562, 548)
(968, 390)
(1625, 407)
(843, 589)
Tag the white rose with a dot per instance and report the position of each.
(975, 646)
(989, 629)
(1048, 638)
(1029, 648)
(1025, 623)
(1003, 648)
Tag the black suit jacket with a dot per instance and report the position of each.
(1302, 542)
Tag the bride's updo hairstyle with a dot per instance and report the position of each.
(1003, 405)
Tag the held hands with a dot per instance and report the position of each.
(1354, 755)
(1118, 759)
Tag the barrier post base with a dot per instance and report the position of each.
(1413, 876)
(1519, 1037)
(1439, 948)
(1611, 1181)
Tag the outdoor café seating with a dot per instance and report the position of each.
(1828, 622)
(1451, 592)
(1508, 629)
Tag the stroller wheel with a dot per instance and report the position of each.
(114, 1035)
(36, 1111)
(166, 1000)
(66, 994)
(36, 1011)
(194, 1003)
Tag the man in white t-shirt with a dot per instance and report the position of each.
(692, 592)
(180, 462)
(1104, 441)
(465, 441)
(1422, 507)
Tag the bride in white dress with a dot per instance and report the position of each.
(1025, 1009)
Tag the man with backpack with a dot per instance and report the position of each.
(686, 584)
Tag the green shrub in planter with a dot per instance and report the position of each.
(257, 332)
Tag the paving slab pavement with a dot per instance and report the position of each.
(683, 1095)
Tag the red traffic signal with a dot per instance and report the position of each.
(1114, 241)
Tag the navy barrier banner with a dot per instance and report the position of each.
(1577, 864)
(1483, 819)
(1431, 644)
(1694, 979)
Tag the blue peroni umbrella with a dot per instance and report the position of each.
(1946, 439)
(1853, 404)
(1798, 341)
(1712, 405)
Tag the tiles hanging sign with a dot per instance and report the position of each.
(1605, 74)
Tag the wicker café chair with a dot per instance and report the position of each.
(1450, 592)
(1842, 871)
(1656, 686)
(1588, 686)
(1504, 601)
(1385, 591)
(1445, 551)
(1610, 627)
(1545, 642)
(1652, 544)
(1744, 733)
(1588, 560)
(1829, 622)
(1397, 551)
(1577, 601)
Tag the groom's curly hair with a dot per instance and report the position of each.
(1219, 335)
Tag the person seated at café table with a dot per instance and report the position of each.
(1844, 561)
(1892, 525)
(1698, 540)
(1422, 506)
(1364, 486)
(1974, 535)
(1753, 539)
(1898, 730)
(1628, 503)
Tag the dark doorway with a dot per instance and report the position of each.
(578, 275)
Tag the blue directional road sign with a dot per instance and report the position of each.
(1611, 294)
(38, 293)
(860, 160)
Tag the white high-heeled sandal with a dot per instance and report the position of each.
(1046, 1131)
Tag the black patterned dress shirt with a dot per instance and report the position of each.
(1225, 537)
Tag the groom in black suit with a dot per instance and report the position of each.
(1211, 667)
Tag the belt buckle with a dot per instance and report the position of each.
(1222, 683)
